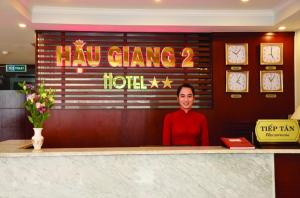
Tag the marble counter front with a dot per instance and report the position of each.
(136, 172)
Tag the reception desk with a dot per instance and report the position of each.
(136, 171)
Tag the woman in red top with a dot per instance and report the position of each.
(185, 127)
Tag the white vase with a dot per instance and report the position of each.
(37, 139)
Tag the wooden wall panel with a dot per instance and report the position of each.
(94, 128)
(83, 128)
(86, 89)
(13, 122)
(236, 114)
(287, 175)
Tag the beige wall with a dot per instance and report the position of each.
(297, 68)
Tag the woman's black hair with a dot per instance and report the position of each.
(186, 85)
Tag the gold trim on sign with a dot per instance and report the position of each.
(271, 96)
(270, 67)
(236, 68)
(235, 95)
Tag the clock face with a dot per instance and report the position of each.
(271, 53)
(236, 54)
(237, 81)
(271, 81)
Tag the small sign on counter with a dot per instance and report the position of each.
(277, 130)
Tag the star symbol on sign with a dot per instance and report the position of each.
(167, 82)
(154, 82)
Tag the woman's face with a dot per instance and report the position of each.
(186, 99)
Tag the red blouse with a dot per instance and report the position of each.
(189, 129)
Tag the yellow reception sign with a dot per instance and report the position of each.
(277, 130)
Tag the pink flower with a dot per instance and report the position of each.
(42, 109)
(29, 86)
(30, 97)
(37, 105)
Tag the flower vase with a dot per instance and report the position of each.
(37, 138)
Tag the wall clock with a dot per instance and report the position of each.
(236, 53)
(271, 81)
(237, 81)
(271, 53)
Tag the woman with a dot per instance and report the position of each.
(185, 127)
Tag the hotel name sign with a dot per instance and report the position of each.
(120, 57)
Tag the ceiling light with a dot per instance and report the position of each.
(270, 34)
(282, 28)
(244, 0)
(4, 52)
(157, 1)
(22, 25)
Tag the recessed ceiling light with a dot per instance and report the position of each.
(157, 1)
(244, 0)
(4, 52)
(22, 25)
(270, 33)
(282, 28)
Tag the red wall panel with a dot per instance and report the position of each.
(232, 114)
(287, 175)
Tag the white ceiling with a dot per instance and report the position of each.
(136, 15)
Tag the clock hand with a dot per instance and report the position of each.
(271, 79)
(238, 80)
(237, 52)
(272, 52)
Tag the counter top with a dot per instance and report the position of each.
(22, 148)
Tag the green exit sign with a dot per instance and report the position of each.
(16, 68)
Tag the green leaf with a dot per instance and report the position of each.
(30, 119)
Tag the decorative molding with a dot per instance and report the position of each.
(96, 16)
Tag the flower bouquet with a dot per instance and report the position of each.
(38, 103)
